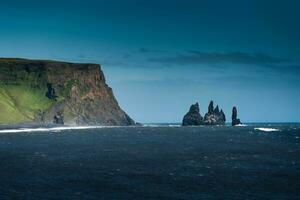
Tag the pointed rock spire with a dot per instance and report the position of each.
(214, 116)
(216, 110)
(195, 108)
(193, 117)
(223, 115)
(235, 120)
(211, 107)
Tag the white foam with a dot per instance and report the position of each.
(174, 125)
(161, 125)
(54, 129)
(242, 125)
(151, 125)
(266, 129)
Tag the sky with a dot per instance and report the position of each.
(160, 56)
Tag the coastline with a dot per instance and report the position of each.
(29, 128)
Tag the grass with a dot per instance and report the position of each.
(8, 111)
(19, 103)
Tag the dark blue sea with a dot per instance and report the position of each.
(258, 161)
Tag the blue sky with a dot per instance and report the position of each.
(161, 56)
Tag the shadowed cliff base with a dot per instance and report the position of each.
(37, 91)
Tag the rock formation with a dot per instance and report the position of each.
(58, 118)
(235, 120)
(51, 92)
(33, 91)
(193, 117)
(214, 116)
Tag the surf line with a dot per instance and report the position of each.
(267, 129)
(27, 130)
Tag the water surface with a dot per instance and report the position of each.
(152, 163)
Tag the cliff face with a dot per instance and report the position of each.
(50, 91)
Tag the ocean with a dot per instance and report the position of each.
(257, 161)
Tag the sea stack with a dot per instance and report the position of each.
(235, 120)
(193, 117)
(214, 116)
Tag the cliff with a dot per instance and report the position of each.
(33, 91)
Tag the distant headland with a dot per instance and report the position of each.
(42, 92)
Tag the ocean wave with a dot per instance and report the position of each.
(266, 129)
(174, 125)
(161, 125)
(151, 125)
(242, 125)
(54, 129)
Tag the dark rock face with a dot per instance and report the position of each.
(51, 92)
(223, 115)
(211, 107)
(193, 117)
(58, 119)
(235, 120)
(214, 116)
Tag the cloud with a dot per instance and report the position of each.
(81, 56)
(197, 57)
(146, 50)
(126, 55)
(285, 69)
